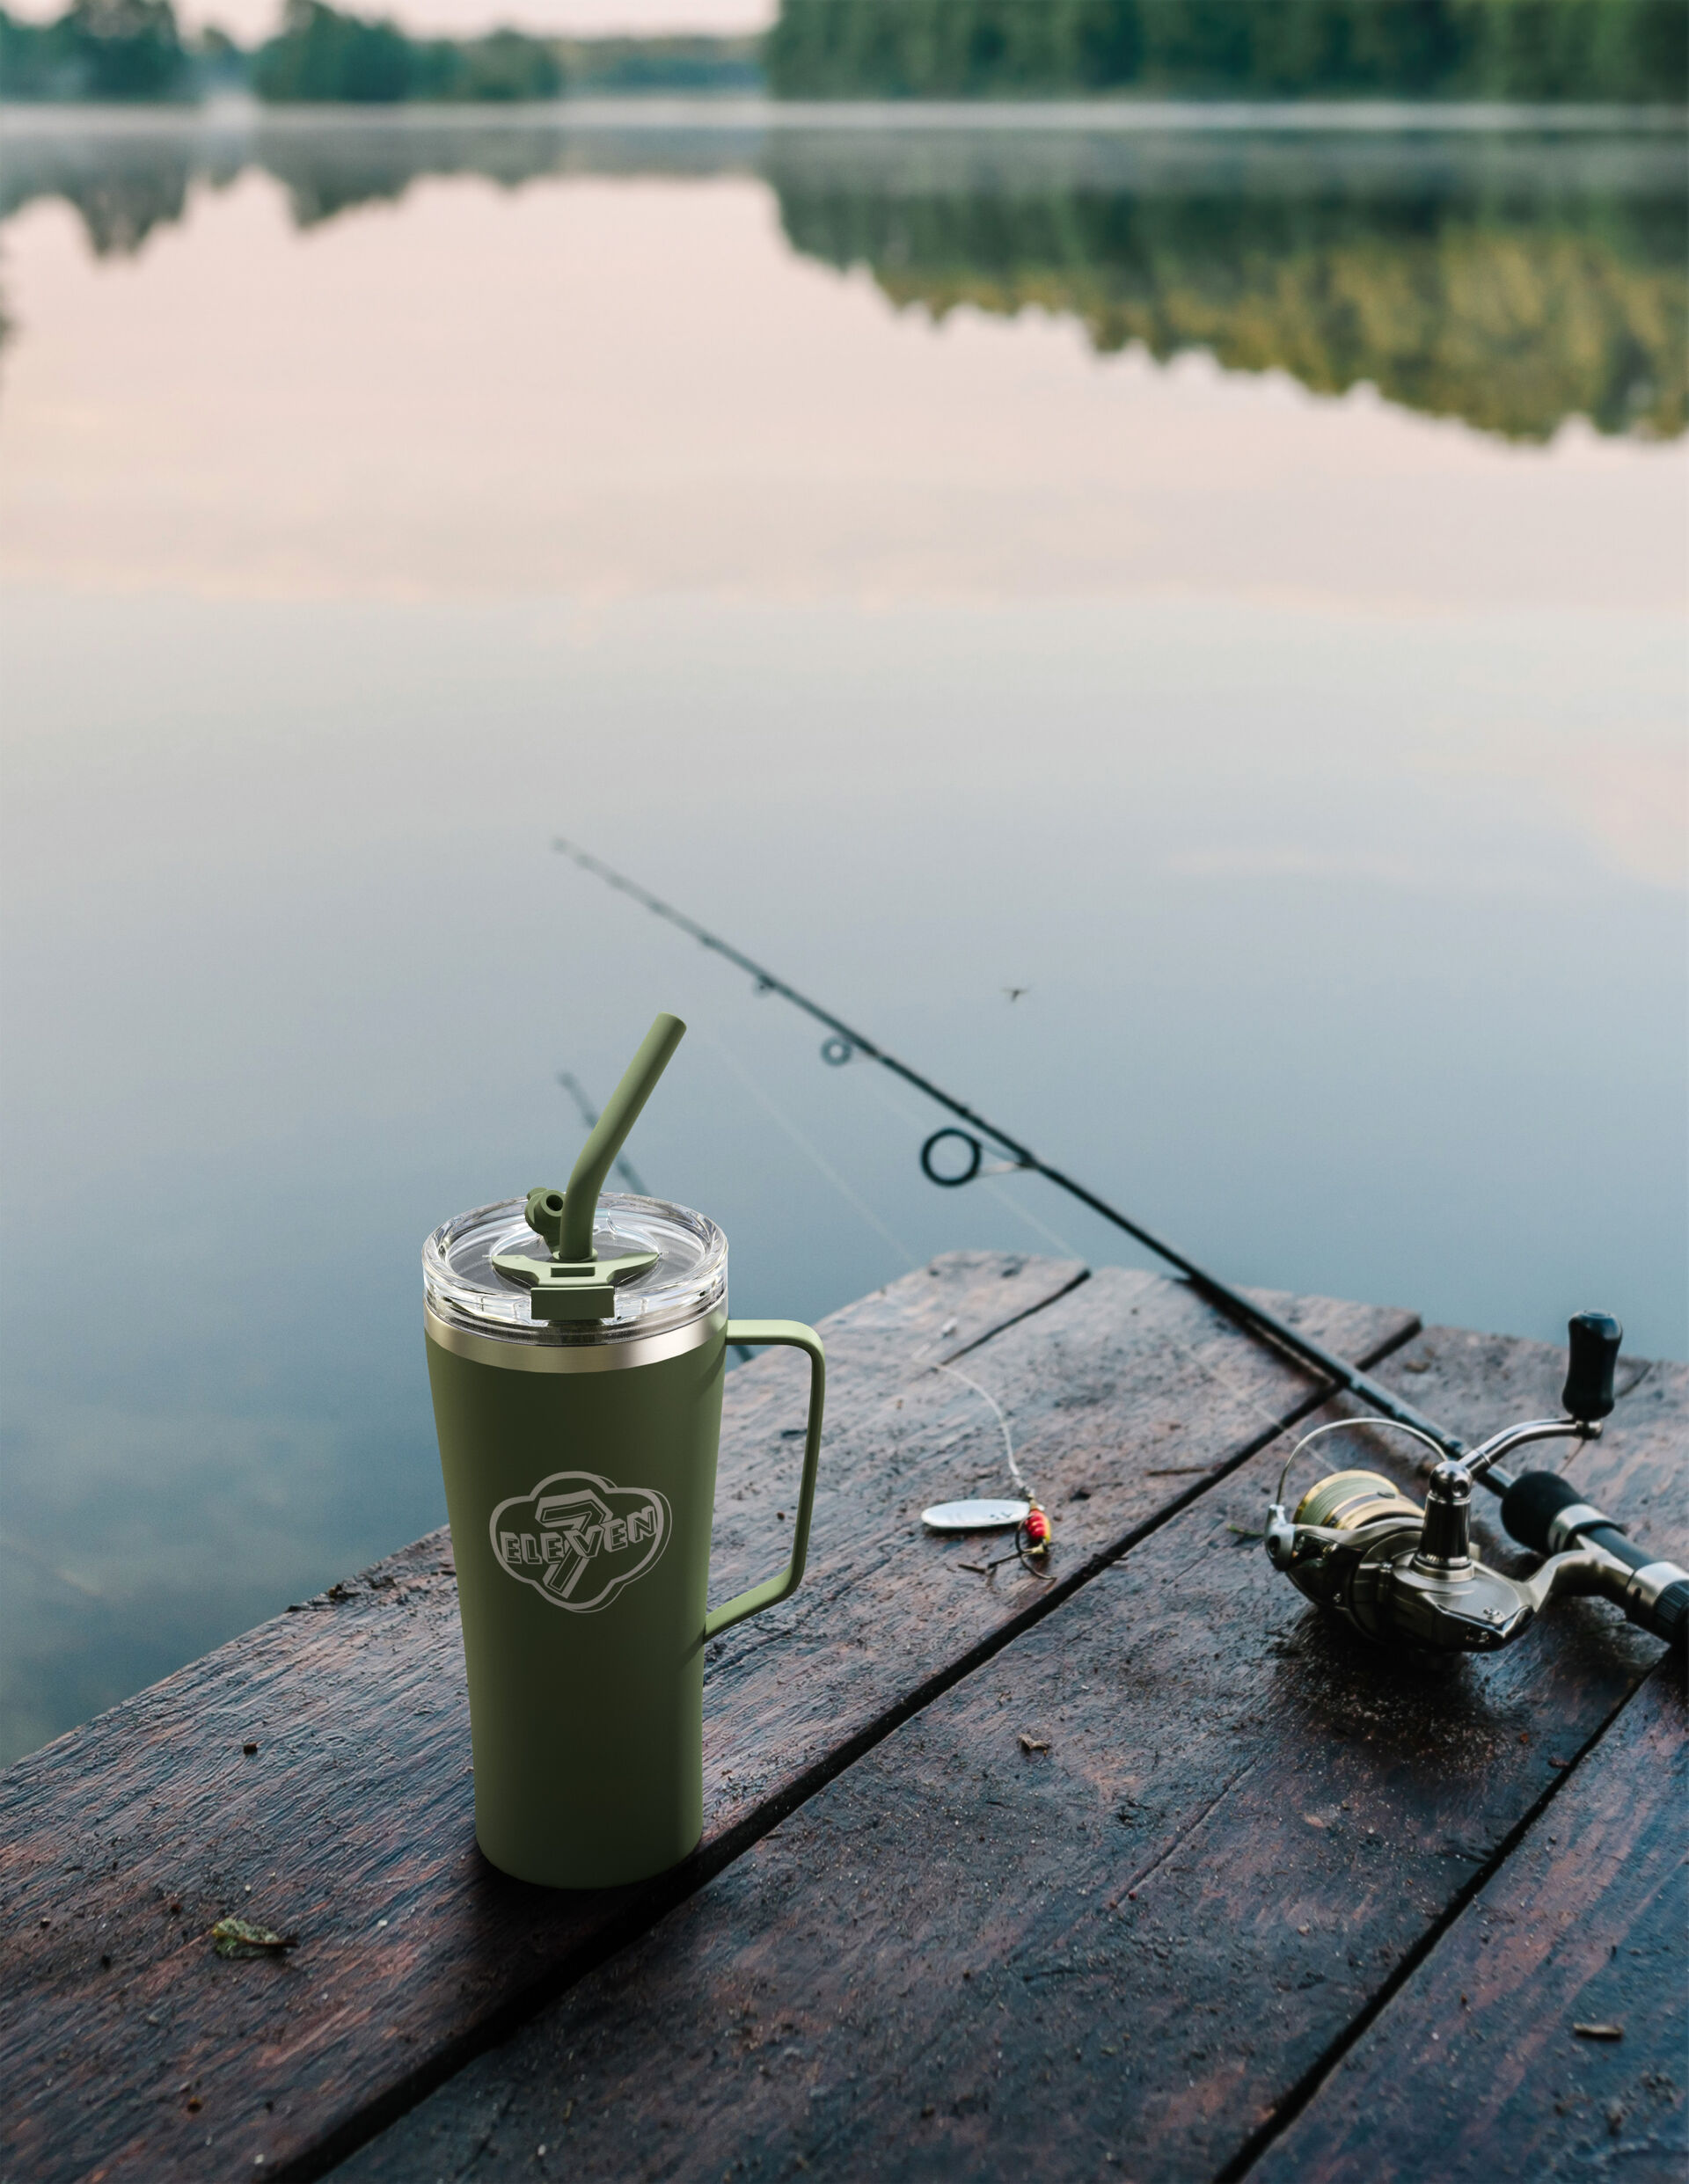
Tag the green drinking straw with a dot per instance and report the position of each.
(565, 1220)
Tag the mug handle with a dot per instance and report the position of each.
(755, 1333)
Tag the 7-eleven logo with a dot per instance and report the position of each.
(578, 1539)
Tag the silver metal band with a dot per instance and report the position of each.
(638, 1349)
(1565, 1524)
(1647, 1584)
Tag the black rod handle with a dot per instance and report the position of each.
(1592, 1352)
(1529, 1509)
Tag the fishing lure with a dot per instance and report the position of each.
(1032, 1541)
(1032, 1532)
(1029, 1517)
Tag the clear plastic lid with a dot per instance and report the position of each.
(465, 1288)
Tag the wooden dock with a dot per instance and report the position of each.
(1143, 1872)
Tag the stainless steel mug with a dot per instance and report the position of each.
(579, 1444)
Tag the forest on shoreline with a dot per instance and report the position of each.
(134, 52)
(1625, 52)
(1603, 52)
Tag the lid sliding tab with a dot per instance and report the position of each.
(580, 1289)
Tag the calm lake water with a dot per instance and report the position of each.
(1223, 588)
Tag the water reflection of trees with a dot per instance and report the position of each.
(1509, 281)
(125, 182)
(328, 169)
(123, 186)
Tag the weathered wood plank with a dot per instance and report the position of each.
(1475, 2069)
(351, 1824)
(1117, 1956)
(356, 1808)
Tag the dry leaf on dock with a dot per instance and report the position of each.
(238, 1937)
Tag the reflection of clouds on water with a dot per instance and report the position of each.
(1629, 806)
(1509, 281)
(1336, 861)
(1633, 803)
(1625, 794)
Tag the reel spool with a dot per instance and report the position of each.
(1348, 1500)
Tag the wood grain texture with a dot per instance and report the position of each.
(1474, 2071)
(351, 1824)
(1119, 1953)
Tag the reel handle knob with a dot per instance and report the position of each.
(1592, 1352)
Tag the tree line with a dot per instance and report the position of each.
(96, 49)
(134, 50)
(1625, 52)
(1620, 51)
(324, 56)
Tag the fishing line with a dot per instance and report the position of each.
(1038, 1227)
(1032, 1536)
(1239, 1395)
(985, 1394)
(767, 1103)
(843, 1043)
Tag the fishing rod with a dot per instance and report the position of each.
(846, 1042)
(1405, 1577)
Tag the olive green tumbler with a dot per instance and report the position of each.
(578, 1402)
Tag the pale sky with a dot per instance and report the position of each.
(249, 20)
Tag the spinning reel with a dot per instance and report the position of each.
(1406, 1576)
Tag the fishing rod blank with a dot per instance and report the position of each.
(845, 1043)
